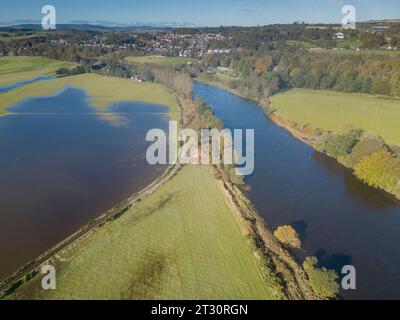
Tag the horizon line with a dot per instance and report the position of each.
(110, 24)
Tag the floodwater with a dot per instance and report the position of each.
(341, 220)
(22, 83)
(62, 164)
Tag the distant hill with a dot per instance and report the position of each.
(91, 27)
(108, 26)
(391, 21)
(98, 27)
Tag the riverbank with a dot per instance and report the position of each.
(339, 219)
(305, 133)
(273, 259)
(265, 105)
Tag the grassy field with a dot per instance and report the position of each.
(366, 52)
(182, 242)
(302, 44)
(334, 111)
(15, 69)
(165, 61)
(103, 91)
(6, 37)
(345, 43)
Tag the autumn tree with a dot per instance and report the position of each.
(380, 170)
(288, 236)
(337, 145)
(263, 65)
(323, 281)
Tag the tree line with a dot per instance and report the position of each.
(265, 72)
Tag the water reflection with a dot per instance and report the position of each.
(301, 228)
(359, 191)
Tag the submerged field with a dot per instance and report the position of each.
(182, 242)
(16, 69)
(161, 60)
(328, 110)
(102, 90)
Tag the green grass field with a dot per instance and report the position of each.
(103, 91)
(182, 242)
(5, 36)
(15, 69)
(302, 44)
(20, 34)
(160, 60)
(345, 43)
(334, 111)
(366, 52)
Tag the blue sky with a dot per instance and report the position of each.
(204, 12)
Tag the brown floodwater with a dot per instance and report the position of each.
(61, 165)
(341, 220)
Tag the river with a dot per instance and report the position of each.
(340, 220)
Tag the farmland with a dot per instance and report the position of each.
(362, 52)
(328, 110)
(182, 242)
(160, 60)
(15, 69)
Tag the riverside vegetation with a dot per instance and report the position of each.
(373, 160)
(362, 135)
(358, 127)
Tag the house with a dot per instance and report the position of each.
(218, 51)
(339, 35)
(137, 78)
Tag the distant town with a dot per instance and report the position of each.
(197, 43)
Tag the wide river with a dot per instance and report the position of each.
(340, 220)
(62, 163)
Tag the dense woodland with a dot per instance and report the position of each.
(265, 72)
